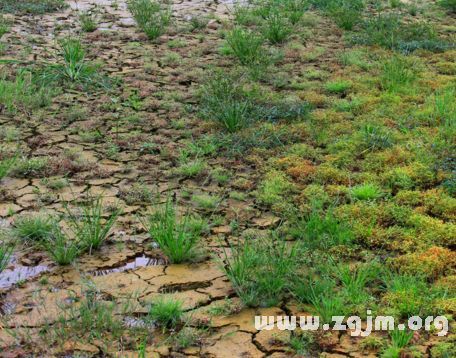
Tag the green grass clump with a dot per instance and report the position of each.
(450, 5)
(89, 222)
(68, 66)
(170, 229)
(88, 19)
(5, 255)
(34, 227)
(167, 311)
(4, 25)
(7, 160)
(21, 95)
(366, 192)
(151, 17)
(32, 6)
(390, 31)
(338, 86)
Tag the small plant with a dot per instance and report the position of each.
(68, 64)
(4, 25)
(88, 19)
(88, 222)
(5, 254)
(366, 192)
(32, 6)
(166, 310)
(192, 168)
(338, 86)
(170, 229)
(61, 246)
(375, 137)
(240, 13)
(246, 44)
(400, 338)
(198, 22)
(450, 5)
(372, 342)
(34, 227)
(151, 17)
(278, 28)
(207, 201)
(299, 342)
(7, 160)
(399, 71)
(346, 13)
(330, 304)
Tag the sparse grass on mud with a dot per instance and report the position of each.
(278, 158)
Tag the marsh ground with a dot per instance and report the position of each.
(304, 154)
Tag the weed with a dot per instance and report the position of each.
(388, 30)
(241, 13)
(151, 17)
(299, 342)
(4, 25)
(338, 86)
(69, 65)
(375, 137)
(330, 304)
(391, 352)
(320, 229)
(356, 278)
(61, 246)
(21, 95)
(7, 159)
(226, 307)
(198, 22)
(6, 251)
(400, 338)
(166, 310)
(170, 228)
(34, 227)
(207, 201)
(192, 168)
(399, 71)
(346, 13)
(366, 192)
(246, 44)
(32, 6)
(278, 28)
(88, 19)
(88, 222)
(450, 5)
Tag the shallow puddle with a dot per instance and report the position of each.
(10, 277)
(139, 261)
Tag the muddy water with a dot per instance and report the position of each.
(139, 261)
(15, 276)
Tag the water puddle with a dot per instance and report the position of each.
(138, 261)
(17, 276)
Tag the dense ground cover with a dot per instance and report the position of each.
(169, 171)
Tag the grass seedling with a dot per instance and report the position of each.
(170, 228)
(88, 220)
(278, 28)
(246, 44)
(166, 310)
(68, 65)
(151, 17)
(5, 254)
(34, 227)
(4, 25)
(88, 19)
(7, 160)
(338, 86)
(198, 22)
(366, 192)
(61, 246)
(400, 338)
